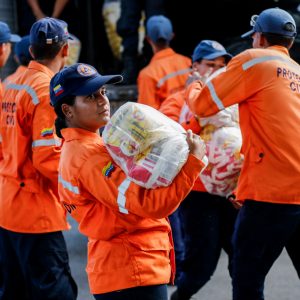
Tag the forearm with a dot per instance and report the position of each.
(59, 7)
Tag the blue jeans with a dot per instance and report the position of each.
(35, 267)
(262, 230)
(208, 223)
(178, 239)
(151, 292)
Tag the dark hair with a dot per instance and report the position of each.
(46, 51)
(162, 43)
(24, 60)
(60, 122)
(275, 39)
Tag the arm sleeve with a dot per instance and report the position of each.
(171, 107)
(192, 124)
(224, 90)
(45, 152)
(119, 193)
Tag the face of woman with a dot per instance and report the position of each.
(89, 112)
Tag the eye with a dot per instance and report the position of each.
(91, 97)
(103, 91)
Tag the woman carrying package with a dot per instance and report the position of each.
(130, 252)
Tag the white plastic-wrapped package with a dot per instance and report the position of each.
(149, 147)
(223, 139)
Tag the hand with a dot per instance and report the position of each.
(196, 145)
(192, 77)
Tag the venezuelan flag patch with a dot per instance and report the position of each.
(58, 90)
(106, 171)
(47, 132)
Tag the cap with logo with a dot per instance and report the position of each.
(159, 27)
(49, 31)
(273, 21)
(78, 80)
(208, 49)
(22, 48)
(6, 35)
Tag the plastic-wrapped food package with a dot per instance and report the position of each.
(149, 147)
(223, 139)
(74, 50)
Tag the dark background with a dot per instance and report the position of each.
(193, 20)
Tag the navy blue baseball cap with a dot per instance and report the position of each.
(159, 27)
(48, 31)
(208, 49)
(274, 21)
(22, 48)
(6, 35)
(78, 80)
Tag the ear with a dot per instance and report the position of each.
(263, 41)
(31, 52)
(65, 50)
(2, 48)
(67, 111)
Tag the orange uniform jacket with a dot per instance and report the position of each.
(166, 73)
(1, 97)
(266, 84)
(128, 232)
(13, 77)
(29, 169)
(172, 107)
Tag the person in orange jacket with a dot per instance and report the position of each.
(6, 38)
(207, 219)
(22, 57)
(130, 252)
(33, 256)
(167, 71)
(264, 81)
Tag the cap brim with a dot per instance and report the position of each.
(94, 84)
(218, 54)
(14, 38)
(247, 34)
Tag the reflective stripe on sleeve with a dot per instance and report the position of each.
(27, 88)
(67, 185)
(0, 138)
(170, 75)
(44, 142)
(262, 59)
(121, 196)
(214, 96)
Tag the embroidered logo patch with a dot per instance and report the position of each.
(106, 171)
(85, 70)
(47, 132)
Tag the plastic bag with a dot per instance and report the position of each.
(74, 50)
(149, 147)
(223, 139)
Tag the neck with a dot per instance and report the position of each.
(55, 65)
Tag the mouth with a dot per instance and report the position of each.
(104, 112)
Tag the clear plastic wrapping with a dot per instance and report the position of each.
(149, 147)
(223, 139)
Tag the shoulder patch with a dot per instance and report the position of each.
(47, 132)
(106, 171)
